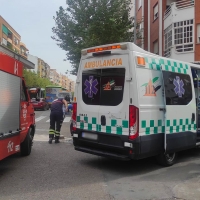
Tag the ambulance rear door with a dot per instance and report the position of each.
(114, 96)
(103, 94)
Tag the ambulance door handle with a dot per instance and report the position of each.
(193, 117)
(103, 120)
(162, 109)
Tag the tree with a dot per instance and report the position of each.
(87, 23)
(34, 80)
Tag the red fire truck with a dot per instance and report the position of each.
(17, 117)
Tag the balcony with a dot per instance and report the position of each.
(179, 30)
(178, 11)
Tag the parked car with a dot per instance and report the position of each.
(41, 104)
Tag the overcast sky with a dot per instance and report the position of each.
(33, 20)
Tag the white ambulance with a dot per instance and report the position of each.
(132, 104)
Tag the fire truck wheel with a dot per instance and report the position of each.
(167, 160)
(26, 145)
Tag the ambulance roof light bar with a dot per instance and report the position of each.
(105, 48)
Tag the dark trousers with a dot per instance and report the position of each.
(56, 120)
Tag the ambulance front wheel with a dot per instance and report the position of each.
(26, 145)
(167, 159)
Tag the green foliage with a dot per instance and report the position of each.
(34, 80)
(9, 45)
(87, 23)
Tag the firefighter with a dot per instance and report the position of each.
(56, 119)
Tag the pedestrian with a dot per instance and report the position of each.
(56, 119)
(70, 107)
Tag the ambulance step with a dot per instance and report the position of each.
(198, 144)
(198, 135)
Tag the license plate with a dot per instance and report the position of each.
(35, 103)
(91, 136)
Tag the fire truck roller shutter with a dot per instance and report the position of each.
(9, 102)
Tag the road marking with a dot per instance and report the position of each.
(39, 118)
(42, 138)
(67, 119)
(44, 130)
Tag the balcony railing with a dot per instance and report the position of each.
(180, 4)
(184, 4)
(167, 12)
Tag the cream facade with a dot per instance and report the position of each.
(54, 77)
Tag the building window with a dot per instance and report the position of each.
(155, 12)
(168, 41)
(5, 30)
(16, 41)
(139, 4)
(155, 47)
(183, 36)
(4, 41)
(198, 33)
(10, 35)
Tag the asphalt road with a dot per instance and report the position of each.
(57, 171)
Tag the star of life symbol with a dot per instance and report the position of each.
(91, 86)
(178, 83)
(10, 146)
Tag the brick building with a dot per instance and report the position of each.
(170, 28)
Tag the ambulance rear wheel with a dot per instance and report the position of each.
(26, 145)
(167, 160)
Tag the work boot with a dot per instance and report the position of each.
(50, 140)
(57, 139)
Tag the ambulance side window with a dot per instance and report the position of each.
(178, 89)
(23, 92)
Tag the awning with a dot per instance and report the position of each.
(5, 29)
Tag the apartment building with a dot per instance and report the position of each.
(47, 71)
(67, 83)
(72, 86)
(33, 59)
(41, 67)
(170, 28)
(23, 50)
(63, 81)
(11, 39)
(54, 77)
